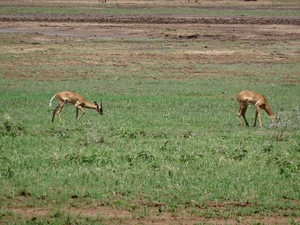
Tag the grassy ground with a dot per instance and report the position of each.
(169, 132)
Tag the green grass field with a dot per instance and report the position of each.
(169, 132)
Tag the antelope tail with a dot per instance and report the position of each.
(50, 104)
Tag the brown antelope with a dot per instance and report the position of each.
(75, 99)
(259, 101)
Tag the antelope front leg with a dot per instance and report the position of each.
(259, 118)
(255, 119)
(258, 114)
(259, 106)
(239, 116)
(81, 109)
(240, 120)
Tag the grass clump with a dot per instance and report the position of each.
(11, 128)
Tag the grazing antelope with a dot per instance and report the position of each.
(75, 99)
(259, 101)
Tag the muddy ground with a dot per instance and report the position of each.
(167, 26)
(92, 26)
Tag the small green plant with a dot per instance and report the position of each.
(11, 128)
(79, 158)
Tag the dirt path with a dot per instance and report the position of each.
(148, 26)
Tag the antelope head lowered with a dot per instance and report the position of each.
(75, 99)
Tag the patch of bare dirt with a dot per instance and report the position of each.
(150, 19)
(153, 27)
(150, 213)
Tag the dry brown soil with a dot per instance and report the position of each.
(149, 213)
(167, 26)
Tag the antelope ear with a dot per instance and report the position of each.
(95, 103)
